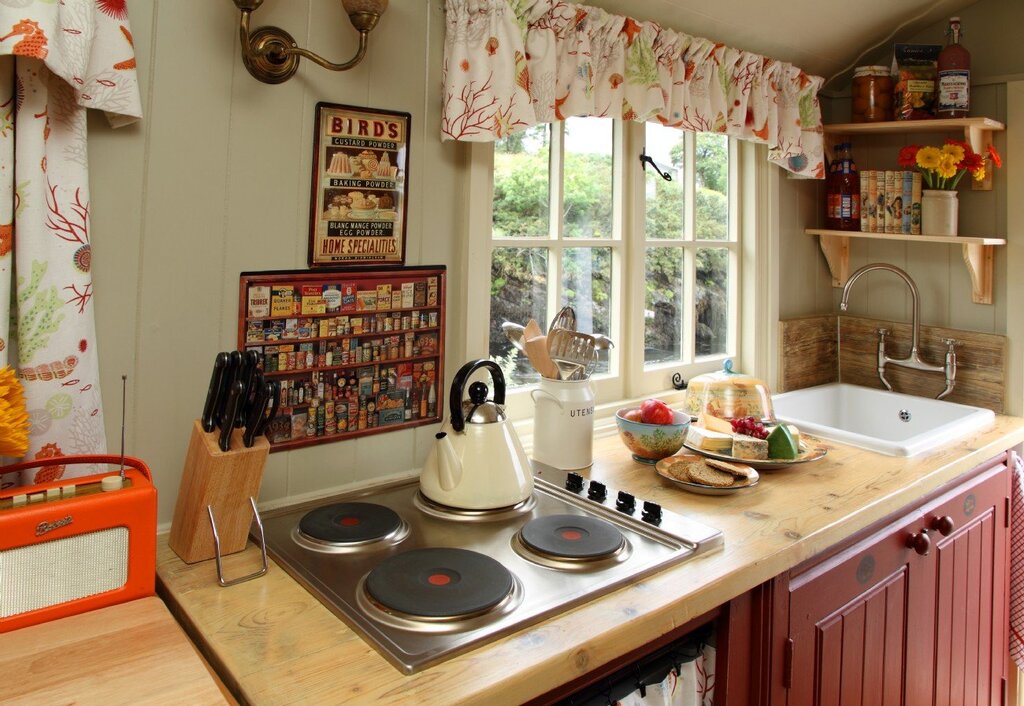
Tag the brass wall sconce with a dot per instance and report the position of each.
(272, 56)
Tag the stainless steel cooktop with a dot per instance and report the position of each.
(418, 602)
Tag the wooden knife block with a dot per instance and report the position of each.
(224, 480)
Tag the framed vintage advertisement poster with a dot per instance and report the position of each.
(359, 185)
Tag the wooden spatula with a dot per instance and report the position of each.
(535, 345)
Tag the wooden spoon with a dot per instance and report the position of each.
(535, 345)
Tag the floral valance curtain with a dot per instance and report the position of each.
(511, 64)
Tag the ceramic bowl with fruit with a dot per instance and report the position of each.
(652, 431)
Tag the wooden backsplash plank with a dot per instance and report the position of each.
(981, 359)
(809, 354)
(816, 350)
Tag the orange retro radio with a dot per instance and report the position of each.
(71, 546)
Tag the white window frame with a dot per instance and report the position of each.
(626, 381)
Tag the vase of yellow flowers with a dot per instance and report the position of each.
(941, 169)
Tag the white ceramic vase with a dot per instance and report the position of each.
(939, 212)
(563, 423)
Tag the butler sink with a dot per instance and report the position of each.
(886, 422)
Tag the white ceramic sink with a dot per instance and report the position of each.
(887, 422)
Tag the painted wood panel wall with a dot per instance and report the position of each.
(215, 181)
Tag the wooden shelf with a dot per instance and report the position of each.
(904, 126)
(978, 254)
(977, 133)
(350, 366)
(315, 339)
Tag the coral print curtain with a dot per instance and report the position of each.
(57, 58)
(510, 64)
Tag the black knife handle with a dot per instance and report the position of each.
(230, 376)
(213, 394)
(250, 367)
(234, 400)
(254, 414)
(274, 390)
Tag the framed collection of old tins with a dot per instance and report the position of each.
(357, 351)
(359, 185)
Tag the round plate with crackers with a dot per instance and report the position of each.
(706, 476)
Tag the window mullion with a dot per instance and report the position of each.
(689, 327)
(557, 190)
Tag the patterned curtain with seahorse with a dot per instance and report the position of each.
(511, 64)
(57, 58)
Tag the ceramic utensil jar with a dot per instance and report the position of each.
(563, 423)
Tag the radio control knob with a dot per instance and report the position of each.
(597, 491)
(574, 482)
(652, 513)
(109, 483)
(625, 503)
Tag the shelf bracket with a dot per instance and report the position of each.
(978, 259)
(837, 254)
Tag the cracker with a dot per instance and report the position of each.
(706, 475)
(737, 469)
(679, 468)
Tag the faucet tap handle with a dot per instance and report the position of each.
(883, 332)
(952, 343)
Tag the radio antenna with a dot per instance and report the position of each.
(124, 386)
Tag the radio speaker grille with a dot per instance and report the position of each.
(41, 575)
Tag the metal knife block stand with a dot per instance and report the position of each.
(216, 499)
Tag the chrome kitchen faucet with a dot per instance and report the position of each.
(914, 359)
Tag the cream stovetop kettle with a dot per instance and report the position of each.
(477, 462)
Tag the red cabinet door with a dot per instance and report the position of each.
(913, 615)
(850, 624)
(970, 561)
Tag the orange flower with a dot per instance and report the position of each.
(908, 156)
(994, 156)
(14, 422)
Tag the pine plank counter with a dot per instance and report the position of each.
(273, 643)
(130, 653)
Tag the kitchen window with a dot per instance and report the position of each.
(573, 219)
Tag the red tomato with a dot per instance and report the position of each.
(655, 412)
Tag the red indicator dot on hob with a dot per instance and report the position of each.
(439, 579)
(349, 521)
(571, 535)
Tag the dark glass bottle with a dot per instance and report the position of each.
(843, 191)
(954, 100)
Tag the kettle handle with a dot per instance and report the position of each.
(459, 383)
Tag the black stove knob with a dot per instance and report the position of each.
(574, 482)
(652, 513)
(597, 491)
(625, 503)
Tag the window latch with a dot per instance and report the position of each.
(646, 159)
(678, 382)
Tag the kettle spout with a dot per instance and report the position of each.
(449, 467)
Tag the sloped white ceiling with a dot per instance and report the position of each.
(823, 37)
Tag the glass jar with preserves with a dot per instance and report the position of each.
(871, 94)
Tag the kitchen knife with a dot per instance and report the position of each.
(230, 412)
(256, 412)
(274, 390)
(213, 394)
(250, 366)
(230, 376)
(273, 387)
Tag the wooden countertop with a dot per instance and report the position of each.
(131, 653)
(274, 643)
